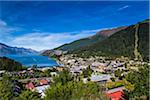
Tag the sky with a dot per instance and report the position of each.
(42, 25)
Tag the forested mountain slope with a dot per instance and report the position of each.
(122, 43)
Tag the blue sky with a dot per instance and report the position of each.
(45, 25)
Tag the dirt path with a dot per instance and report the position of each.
(136, 52)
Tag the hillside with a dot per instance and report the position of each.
(8, 50)
(89, 40)
(132, 42)
(75, 45)
(9, 64)
(79, 43)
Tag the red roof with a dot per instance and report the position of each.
(116, 95)
(43, 82)
(30, 86)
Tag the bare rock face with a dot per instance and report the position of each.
(109, 32)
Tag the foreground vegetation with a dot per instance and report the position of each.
(140, 81)
(64, 87)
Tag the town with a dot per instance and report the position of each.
(74, 50)
(109, 73)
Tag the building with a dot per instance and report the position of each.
(43, 82)
(76, 69)
(116, 93)
(2, 72)
(41, 89)
(98, 69)
(100, 78)
(30, 86)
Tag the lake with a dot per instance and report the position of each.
(30, 60)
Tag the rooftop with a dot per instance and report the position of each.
(101, 77)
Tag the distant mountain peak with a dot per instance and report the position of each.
(8, 50)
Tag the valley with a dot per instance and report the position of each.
(74, 50)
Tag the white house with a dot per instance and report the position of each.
(41, 89)
(100, 78)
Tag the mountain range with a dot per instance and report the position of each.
(8, 50)
(129, 41)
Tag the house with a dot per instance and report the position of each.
(60, 68)
(58, 52)
(134, 68)
(2, 72)
(100, 78)
(43, 82)
(41, 89)
(53, 73)
(116, 93)
(96, 64)
(30, 86)
(76, 70)
(98, 69)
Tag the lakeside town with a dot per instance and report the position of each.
(108, 73)
(74, 50)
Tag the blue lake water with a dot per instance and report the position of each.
(30, 60)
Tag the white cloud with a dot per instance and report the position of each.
(45, 40)
(39, 40)
(5, 30)
(124, 7)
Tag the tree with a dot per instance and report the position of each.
(118, 73)
(63, 77)
(87, 72)
(75, 91)
(9, 88)
(6, 90)
(48, 71)
(65, 88)
(140, 80)
(29, 95)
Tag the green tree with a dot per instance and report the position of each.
(118, 73)
(6, 89)
(87, 72)
(75, 91)
(63, 77)
(29, 95)
(65, 88)
(140, 80)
